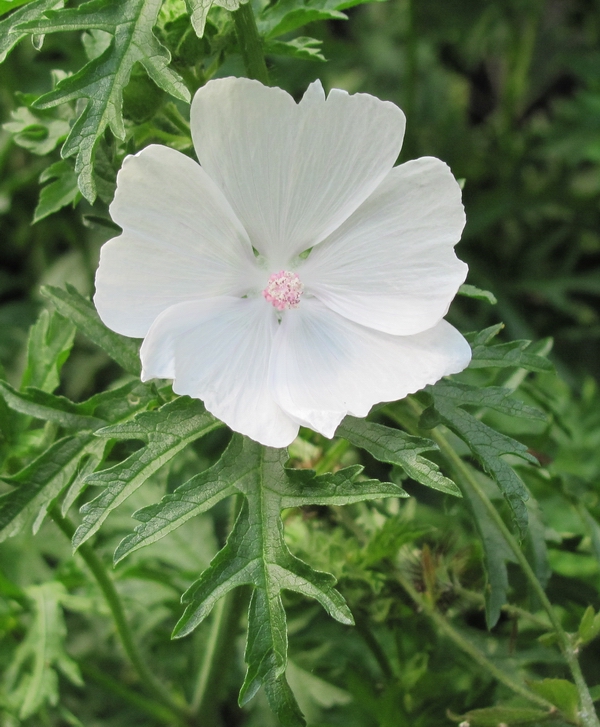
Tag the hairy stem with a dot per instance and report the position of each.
(462, 475)
(465, 645)
(250, 43)
(107, 586)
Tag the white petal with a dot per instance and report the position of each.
(325, 366)
(218, 350)
(293, 172)
(391, 265)
(181, 241)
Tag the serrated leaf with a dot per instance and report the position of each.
(396, 447)
(40, 482)
(198, 10)
(103, 79)
(306, 49)
(510, 716)
(59, 193)
(63, 463)
(256, 553)
(471, 291)
(518, 354)
(31, 681)
(72, 305)
(486, 444)
(36, 133)
(496, 555)
(48, 347)
(10, 34)
(561, 693)
(57, 409)
(166, 432)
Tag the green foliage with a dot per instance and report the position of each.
(31, 682)
(507, 93)
(103, 79)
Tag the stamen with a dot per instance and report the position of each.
(284, 290)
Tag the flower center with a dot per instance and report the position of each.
(284, 290)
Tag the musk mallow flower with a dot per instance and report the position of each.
(294, 275)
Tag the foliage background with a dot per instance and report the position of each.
(508, 93)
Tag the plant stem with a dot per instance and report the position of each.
(107, 586)
(464, 475)
(465, 645)
(218, 651)
(152, 708)
(444, 625)
(250, 43)
(508, 608)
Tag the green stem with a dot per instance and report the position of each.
(464, 474)
(218, 652)
(465, 645)
(444, 625)
(250, 43)
(107, 586)
(511, 610)
(154, 709)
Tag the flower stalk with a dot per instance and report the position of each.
(250, 43)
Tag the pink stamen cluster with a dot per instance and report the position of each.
(284, 290)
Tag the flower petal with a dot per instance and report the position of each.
(181, 241)
(391, 265)
(324, 366)
(293, 172)
(218, 350)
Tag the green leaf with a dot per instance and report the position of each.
(486, 444)
(589, 628)
(306, 49)
(103, 79)
(166, 432)
(256, 553)
(31, 681)
(59, 193)
(287, 15)
(510, 716)
(48, 347)
(67, 461)
(56, 409)
(519, 354)
(396, 447)
(10, 34)
(198, 10)
(72, 305)
(561, 694)
(40, 482)
(496, 554)
(7, 5)
(39, 133)
(470, 291)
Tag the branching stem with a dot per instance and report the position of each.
(178, 711)
(463, 474)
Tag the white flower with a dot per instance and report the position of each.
(211, 268)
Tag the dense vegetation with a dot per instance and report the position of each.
(449, 594)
